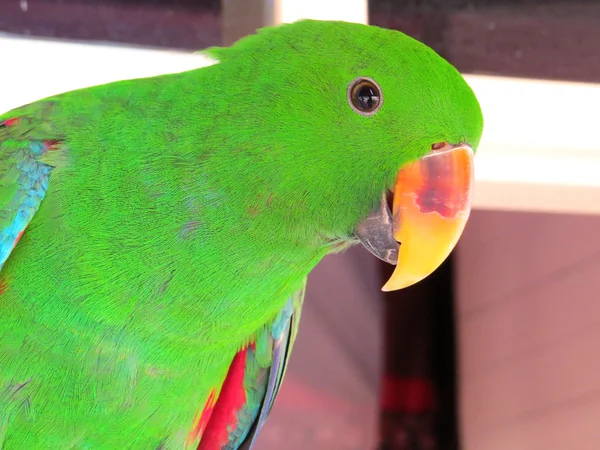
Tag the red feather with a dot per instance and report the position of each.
(18, 238)
(202, 421)
(51, 144)
(223, 415)
(11, 122)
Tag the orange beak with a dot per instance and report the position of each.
(432, 203)
(431, 206)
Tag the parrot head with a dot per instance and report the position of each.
(365, 133)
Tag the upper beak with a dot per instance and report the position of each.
(431, 204)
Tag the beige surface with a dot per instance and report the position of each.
(529, 321)
(242, 17)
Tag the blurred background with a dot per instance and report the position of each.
(499, 348)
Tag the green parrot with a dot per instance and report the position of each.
(156, 234)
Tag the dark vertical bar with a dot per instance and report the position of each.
(418, 389)
(444, 355)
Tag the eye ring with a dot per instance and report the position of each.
(365, 96)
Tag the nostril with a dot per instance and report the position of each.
(438, 146)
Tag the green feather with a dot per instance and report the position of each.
(182, 212)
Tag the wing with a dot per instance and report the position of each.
(234, 414)
(29, 151)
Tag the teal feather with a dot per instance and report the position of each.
(23, 184)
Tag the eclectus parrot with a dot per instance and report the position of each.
(156, 233)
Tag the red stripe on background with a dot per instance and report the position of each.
(410, 395)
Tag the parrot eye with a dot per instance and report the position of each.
(364, 96)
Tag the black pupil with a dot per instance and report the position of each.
(367, 98)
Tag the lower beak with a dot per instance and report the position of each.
(431, 206)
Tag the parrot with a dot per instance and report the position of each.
(156, 234)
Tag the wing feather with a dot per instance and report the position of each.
(245, 399)
(28, 150)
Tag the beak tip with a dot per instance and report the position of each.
(393, 285)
